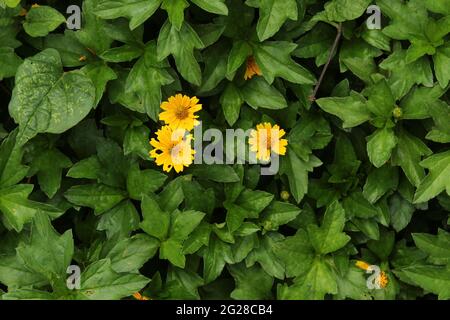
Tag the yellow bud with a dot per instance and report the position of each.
(397, 112)
(285, 195)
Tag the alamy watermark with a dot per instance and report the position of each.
(374, 21)
(211, 146)
(73, 281)
(374, 281)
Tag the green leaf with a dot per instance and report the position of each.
(146, 79)
(381, 102)
(11, 3)
(430, 278)
(408, 154)
(175, 10)
(356, 205)
(358, 56)
(57, 104)
(130, 254)
(136, 142)
(42, 20)
(172, 195)
(9, 62)
(96, 196)
(181, 44)
(48, 166)
(172, 250)
(257, 93)
(140, 183)
(183, 223)
(101, 282)
(437, 179)
(352, 110)
(313, 285)
(100, 74)
(251, 283)
(316, 44)
(197, 239)
(353, 285)
(408, 20)
(441, 61)
(278, 214)
(15, 206)
(93, 34)
(403, 76)
(239, 53)
(296, 253)
(88, 168)
(215, 172)
(440, 132)
(420, 101)
(401, 211)
(297, 170)
(264, 254)
(156, 222)
(272, 15)
(254, 201)
(437, 247)
(343, 10)
(46, 252)
(274, 60)
(215, 59)
(382, 247)
(213, 6)
(120, 221)
(380, 181)
(11, 169)
(231, 101)
(329, 236)
(215, 256)
(442, 6)
(14, 274)
(121, 54)
(138, 11)
(380, 145)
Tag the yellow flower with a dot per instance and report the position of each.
(252, 68)
(285, 195)
(179, 112)
(139, 296)
(266, 139)
(382, 279)
(172, 149)
(362, 265)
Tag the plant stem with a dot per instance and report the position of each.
(330, 57)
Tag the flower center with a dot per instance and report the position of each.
(268, 138)
(182, 112)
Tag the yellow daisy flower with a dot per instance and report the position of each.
(139, 296)
(382, 279)
(172, 149)
(266, 139)
(252, 68)
(362, 265)
(179, 112)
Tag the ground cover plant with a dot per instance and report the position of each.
(94, 203)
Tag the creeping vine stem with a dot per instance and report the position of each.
(330, 57)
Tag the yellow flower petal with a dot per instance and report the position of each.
(266, 139)
(178, 112)
(172, 149)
